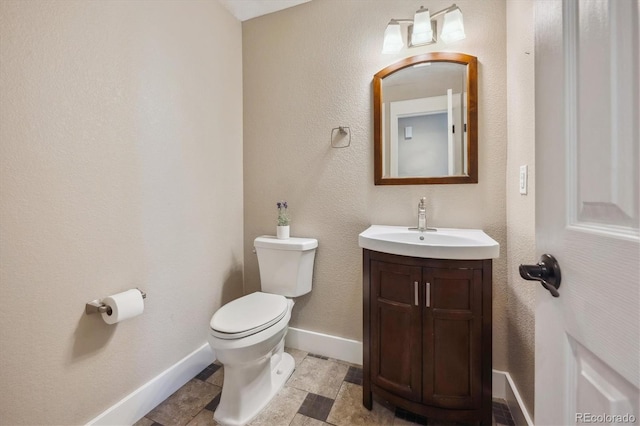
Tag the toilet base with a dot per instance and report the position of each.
(248, 388)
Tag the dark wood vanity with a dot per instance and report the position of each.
(427, 335)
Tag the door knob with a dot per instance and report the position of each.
(547, 271)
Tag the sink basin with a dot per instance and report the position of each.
(444, 243)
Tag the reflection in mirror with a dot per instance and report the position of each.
(425, 120)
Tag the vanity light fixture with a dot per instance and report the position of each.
(423, 29)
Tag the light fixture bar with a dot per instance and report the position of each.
(443, 11)
(433, 16)
(403, 21)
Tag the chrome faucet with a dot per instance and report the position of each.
(422, 215)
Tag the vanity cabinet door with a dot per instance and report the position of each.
(396, 329)
(452, 338)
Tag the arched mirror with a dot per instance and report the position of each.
(426, 120)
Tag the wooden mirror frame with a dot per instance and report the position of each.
(472, 119)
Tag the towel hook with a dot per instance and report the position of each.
(342, 131)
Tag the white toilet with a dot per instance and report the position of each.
(247, 334)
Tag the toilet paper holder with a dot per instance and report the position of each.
(97, 307)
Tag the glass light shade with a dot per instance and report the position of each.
(421, 38)
(422, 32)
(422, 21)
(392, 38)
(453, 26)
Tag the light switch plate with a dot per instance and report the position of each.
(408, 132)
(523, 179)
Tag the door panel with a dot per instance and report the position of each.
(396, 329)
(451, 350)
(452, 338)
(587, 160)
(602, 137)
(599, 389)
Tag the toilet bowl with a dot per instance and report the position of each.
(247, 334)
(255, 368)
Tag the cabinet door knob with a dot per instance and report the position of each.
(415, 292)
(428, 291)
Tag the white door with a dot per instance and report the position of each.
(587, 159)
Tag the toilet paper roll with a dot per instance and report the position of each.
(123, 306)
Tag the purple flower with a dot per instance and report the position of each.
(283, 218)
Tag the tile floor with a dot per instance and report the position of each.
(320, 392)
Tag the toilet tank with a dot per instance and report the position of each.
(286, 266)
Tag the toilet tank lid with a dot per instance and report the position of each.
(294, 243)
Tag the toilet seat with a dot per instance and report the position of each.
(248, 315)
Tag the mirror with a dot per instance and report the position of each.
(426, 120)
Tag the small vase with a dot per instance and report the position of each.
(282, 232)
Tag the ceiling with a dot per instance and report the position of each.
(247, 9)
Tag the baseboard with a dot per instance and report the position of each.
(498, 384)
(139, 402)
(505, 388)
(324, 344)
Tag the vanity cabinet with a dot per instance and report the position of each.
(427, 335)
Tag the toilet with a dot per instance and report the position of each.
(247, 334)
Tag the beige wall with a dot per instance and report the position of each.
(520, 208)
(307, 70)
(120, 166)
